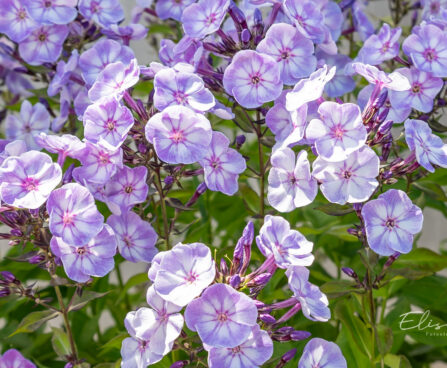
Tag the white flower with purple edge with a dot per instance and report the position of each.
(52, 11)
(222, 316)
(391, 221)
(323, 354)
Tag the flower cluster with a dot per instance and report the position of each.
(106, 157)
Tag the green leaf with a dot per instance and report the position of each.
(384, 339)
(333, 209)
(113, 344)
(80, 302)
(396, 361)
(60, 342)
(135, 280)
(34, 320)
(436, 126)
(422, 259)
(337, 288)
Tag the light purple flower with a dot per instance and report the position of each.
(172, 87)
(393, 81)
(11, 148)
(426, 47)
(26, 126)
(314, 303)
(136, 238)
(52, 11)
(104, 52)
(26, 181)
(184, 272)
(107, 123)
(171, 8)
(179, 135)
(310, 89)
(291, 50)
(290, 183)
(424, 88)
(352, 180)
(43, 45)
(433, 9)
(323, 354)
(381, 47)
(64, 145)
(391, 221)
(13, 359)
(128, 187)
(127, 33)
(428, 147)
(252, 78)
(15, 20)
(73, 214)
(255, 351)
(204, 17)
(222, 316)
(222, 165)
(103, 12)
(114, 80)
(94, 258)
(307, 18)
(288, 247)
(136, 353)
(338, 132)
(341, 83)
(64, 70)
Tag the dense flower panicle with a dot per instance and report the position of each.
(352, 180)
(13, 359)
(107, 123)
(222, 316)
(128, 187)
(252, 353)
(136, 238)
(252, 78)
(179, 135)
(323, 354)
(104, 12)
(381, 47)
(98, 164)
(64, 70)
(172, 87)
(52, 11)
(94, 258)
(426, 48)
(429, 148)
(104, 52)
(26, 181)
(291, 50)
(114, 80)
(338, 132)
(44, 44)
(291, 184)
(171, 8)
(204, 17)
(73, 214)
(26, 126)
(424, 88)
(314, 303)
(222, 165)
(288, 247)
(391, 221)
(309, 89)
(184, 272)
(15, 20)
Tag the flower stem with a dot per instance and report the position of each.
(121, 284)
(261, 172)
(163, 209)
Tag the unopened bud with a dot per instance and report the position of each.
(349, 272)
(37, 259)
(287, 357)
(300, 335)
(235, 281)
(16, 232)
(68, 175)
(260, 280)
(8, 277)
(169, 180)
(267, 318)
(179, 364)
(240, 140)
(4, 292)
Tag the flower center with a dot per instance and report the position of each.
(68, 218)
(94, 7)
(285, 54)
(30, 184)
(81, 251)
(103, 158)
(434, 7)
(143, 345)
(21, 14)
(222, 317)
(215, 163)
(211, 19)
(338, 132)
(128, 189)
(47, 4)
(180, 97)
(430, 55)
(390, 223)
(42, 37)
(255, 79)
(416, 88)
(177, 136)
(110, 125)
(191, 277)
(128, 241)
(347, 174)
(385, 47)
(236, 350)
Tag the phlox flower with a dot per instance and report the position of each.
(323, 354)
(171, 8)
(12, 359)
(15, 20)
(103, 12)
(52, 11)
(64, 145)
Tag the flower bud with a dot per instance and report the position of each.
(16, 232)
(349, 272)
(223, 267)
(260, 280)
(235, 281)
(68, 175)
(245, 36)
(8, 277)
(169, 180)
(240, 140)
(179, 364)
(142, 148)
(267, 318)
(238, 16)
(37, 259)
(287, 357)
(4, 292)
(300, 335)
